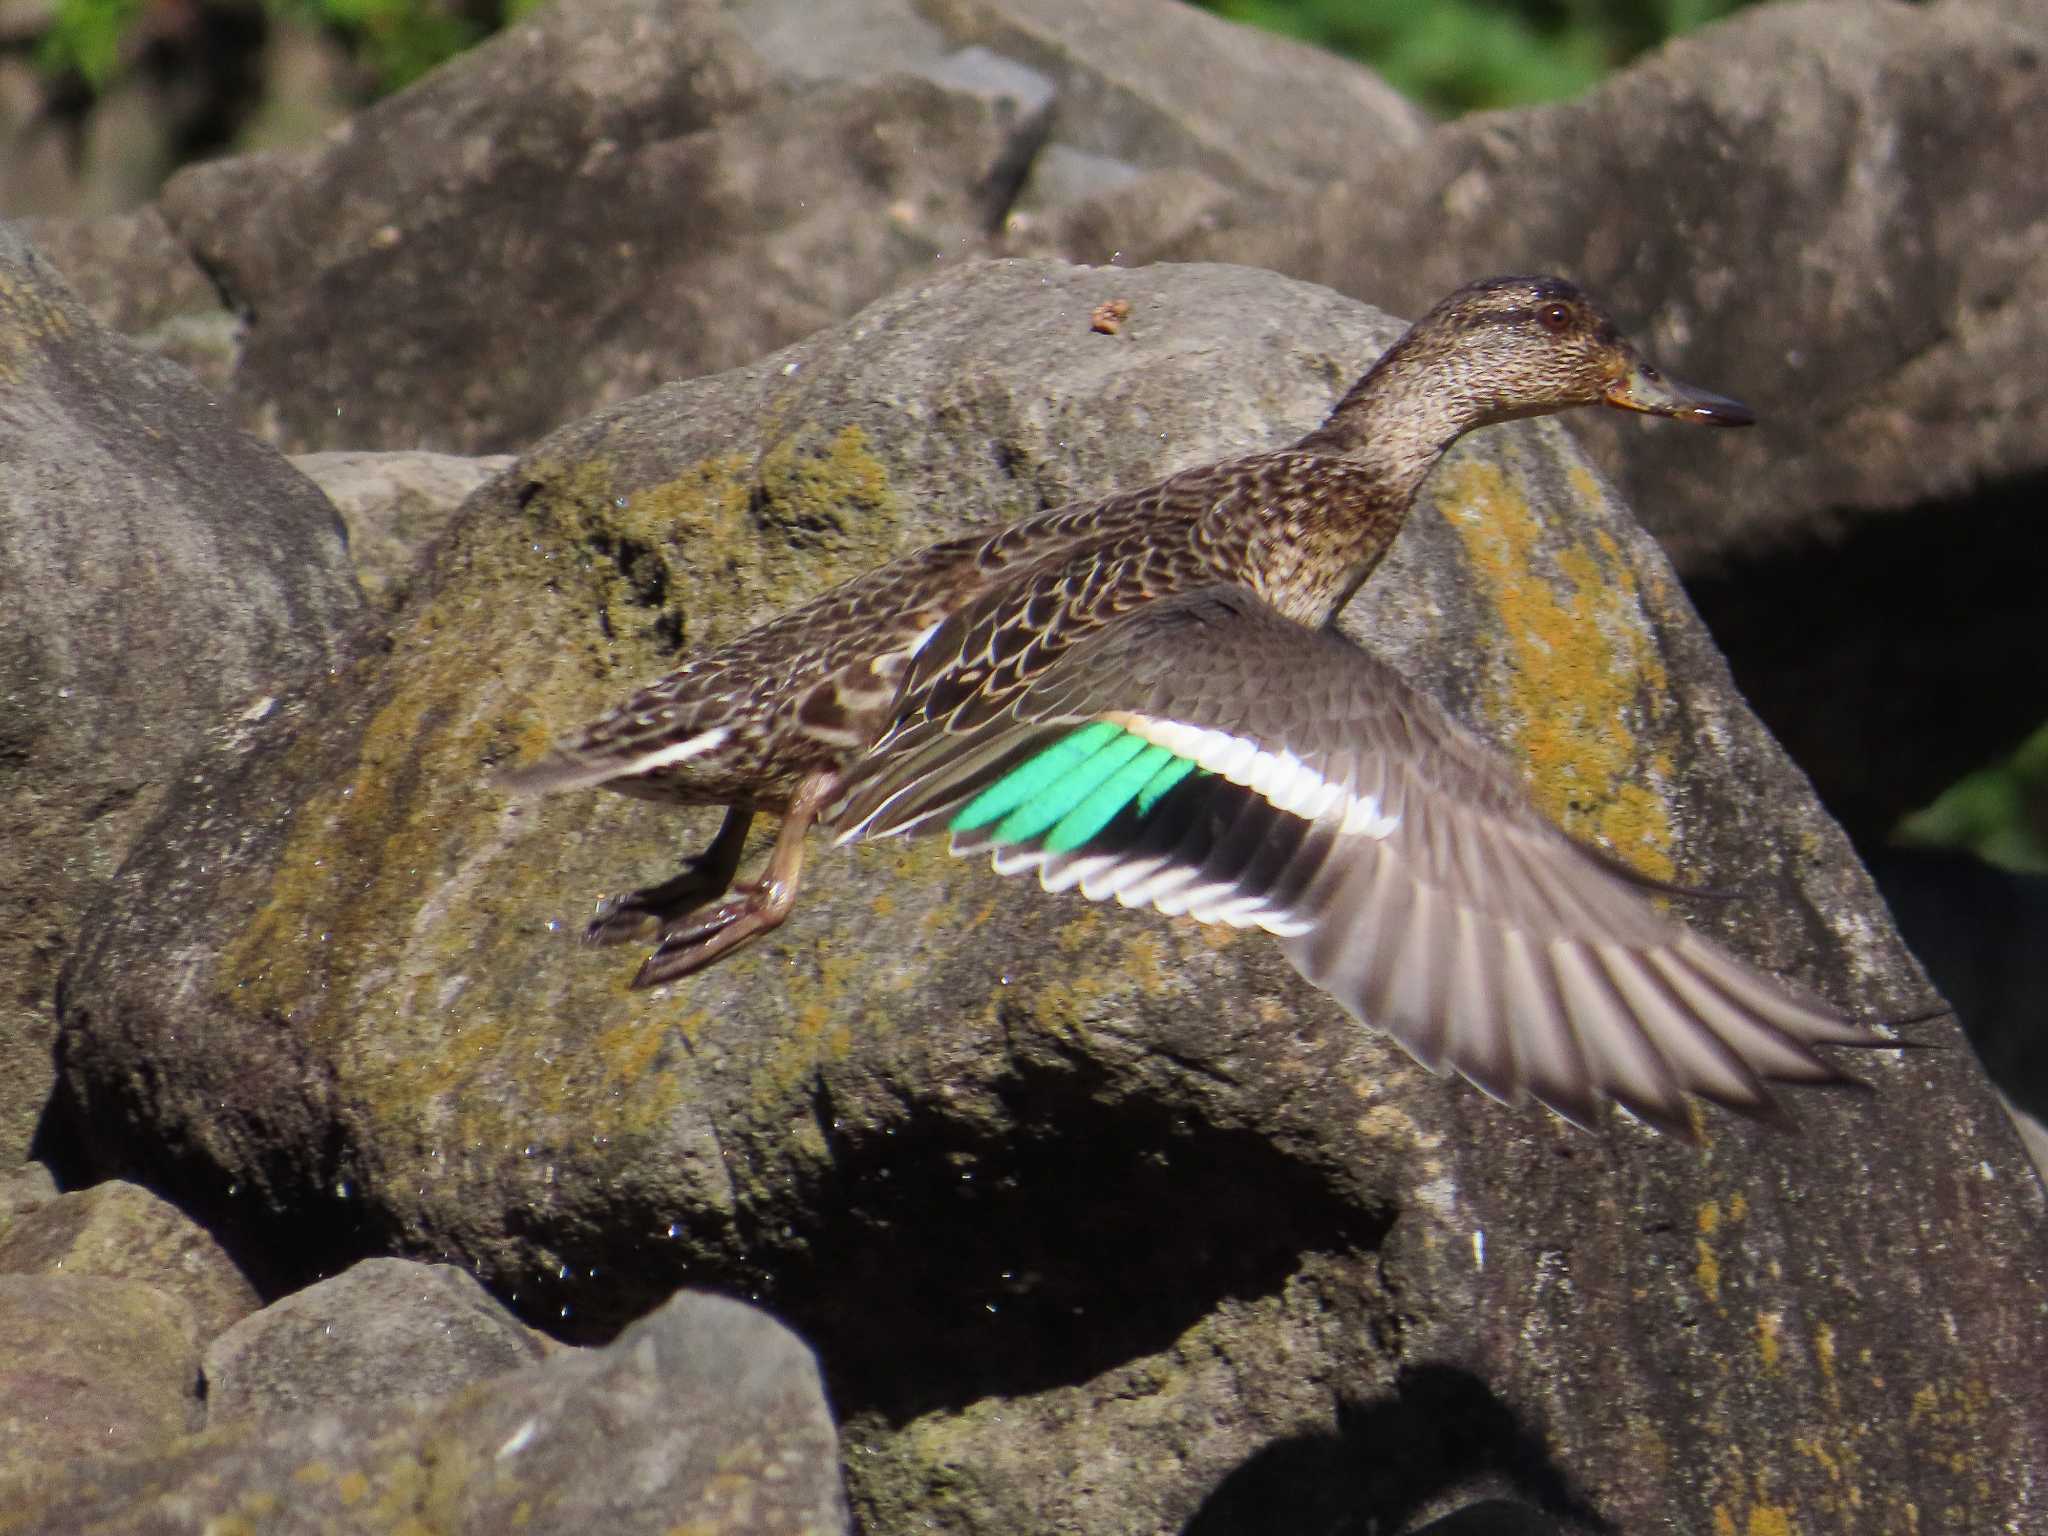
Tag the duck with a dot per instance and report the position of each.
(1141, 698)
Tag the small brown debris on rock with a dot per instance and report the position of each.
(1109, 316)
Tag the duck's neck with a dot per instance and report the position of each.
(1399, 419)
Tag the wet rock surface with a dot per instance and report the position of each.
(1081, 1209)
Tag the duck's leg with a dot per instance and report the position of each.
(705, 877)
(697, 939)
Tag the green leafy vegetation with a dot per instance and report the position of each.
(1999, 813)
(396, 41)
(1460, 55)
(84, 38)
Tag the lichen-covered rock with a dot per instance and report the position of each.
(161, 575)
(1083, 1209)
(123, 1232)
(705, 1417)
(383, 1330)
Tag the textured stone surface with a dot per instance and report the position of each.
(1087, 1213)
(705, 1417)
(22, 1191)
(646, 191)
(1835, 210)
(123, 1232)
(91, 1367)
(160, 576)
(655, 190)
(394, 506)
(384, 1330)
(128, 269)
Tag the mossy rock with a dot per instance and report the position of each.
(1082, 1208)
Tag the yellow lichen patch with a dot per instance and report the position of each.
(1821, 1457)
(808, 488)
(1144, 964)
(1080, 931)
(1709, 1217)
(1708, 1272)
(1582, 691)
(1770, 1344)
(630, 1047)
(1647, 1446)
(1390, 1122)
(1950, 1425)
(29, 320)
(821, 1010)
(1062, 1007)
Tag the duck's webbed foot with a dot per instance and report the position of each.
(692, 940)
(643, 914)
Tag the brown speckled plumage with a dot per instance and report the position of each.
(1311, 791)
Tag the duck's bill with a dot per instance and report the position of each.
(1644, 389)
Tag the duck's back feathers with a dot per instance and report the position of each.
(1204, 755)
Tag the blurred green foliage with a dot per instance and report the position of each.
(1460, 55)
(397, 41)
(1999, 813)
(1453, 55)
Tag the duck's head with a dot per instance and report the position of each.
(1527, 346)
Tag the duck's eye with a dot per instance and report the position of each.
(1555, 318)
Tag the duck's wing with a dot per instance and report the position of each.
(1204, 755)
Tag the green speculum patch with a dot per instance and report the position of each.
(1069, 792)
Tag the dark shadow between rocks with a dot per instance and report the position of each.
(280, 1237)
(1442, 1428)
(949, 1261)
(1899, 657)
(1982, 933)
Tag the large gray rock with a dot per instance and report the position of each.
(1834, 209)
(705, 1417)
(651, 189)
(1084, 1210)
(123, 1232)
(161, 577)
(385, 1330)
